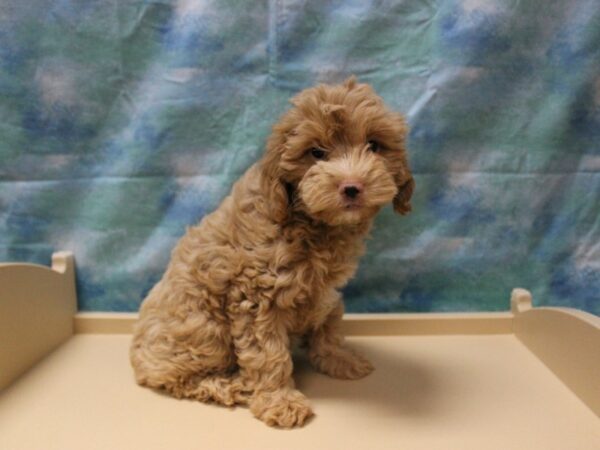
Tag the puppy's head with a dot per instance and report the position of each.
(338, 155)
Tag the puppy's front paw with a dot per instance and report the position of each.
(342, 363)
(285, 408)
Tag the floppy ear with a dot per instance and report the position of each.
(404, 180)
(402, 199)
(272, 185)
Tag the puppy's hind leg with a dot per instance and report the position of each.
(190, 355)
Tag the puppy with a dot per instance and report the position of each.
(268, 264)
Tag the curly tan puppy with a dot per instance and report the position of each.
(268, 263)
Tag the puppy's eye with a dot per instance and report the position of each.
(317, 153)
(374, 146)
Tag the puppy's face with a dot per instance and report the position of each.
(339, 152)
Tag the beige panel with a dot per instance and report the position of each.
(427, 324)
(431, 389)
(36, 312)
(427, 393)
(566, 340)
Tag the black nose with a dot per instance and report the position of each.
(351, 191)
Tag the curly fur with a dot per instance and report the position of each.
(268, 263)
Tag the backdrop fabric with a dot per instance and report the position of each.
(124, 121)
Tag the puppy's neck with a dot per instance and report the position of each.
(299, 219)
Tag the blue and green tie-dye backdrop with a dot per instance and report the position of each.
(123, 121)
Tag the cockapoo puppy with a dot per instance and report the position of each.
(268, 264)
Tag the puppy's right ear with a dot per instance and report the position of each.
(272, 184)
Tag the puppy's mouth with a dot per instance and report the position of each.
(352, 205)
(356, 209)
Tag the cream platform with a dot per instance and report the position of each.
(525, 379)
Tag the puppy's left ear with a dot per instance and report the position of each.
(404, 180)
(402, 199)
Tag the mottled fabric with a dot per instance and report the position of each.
(124, 121)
